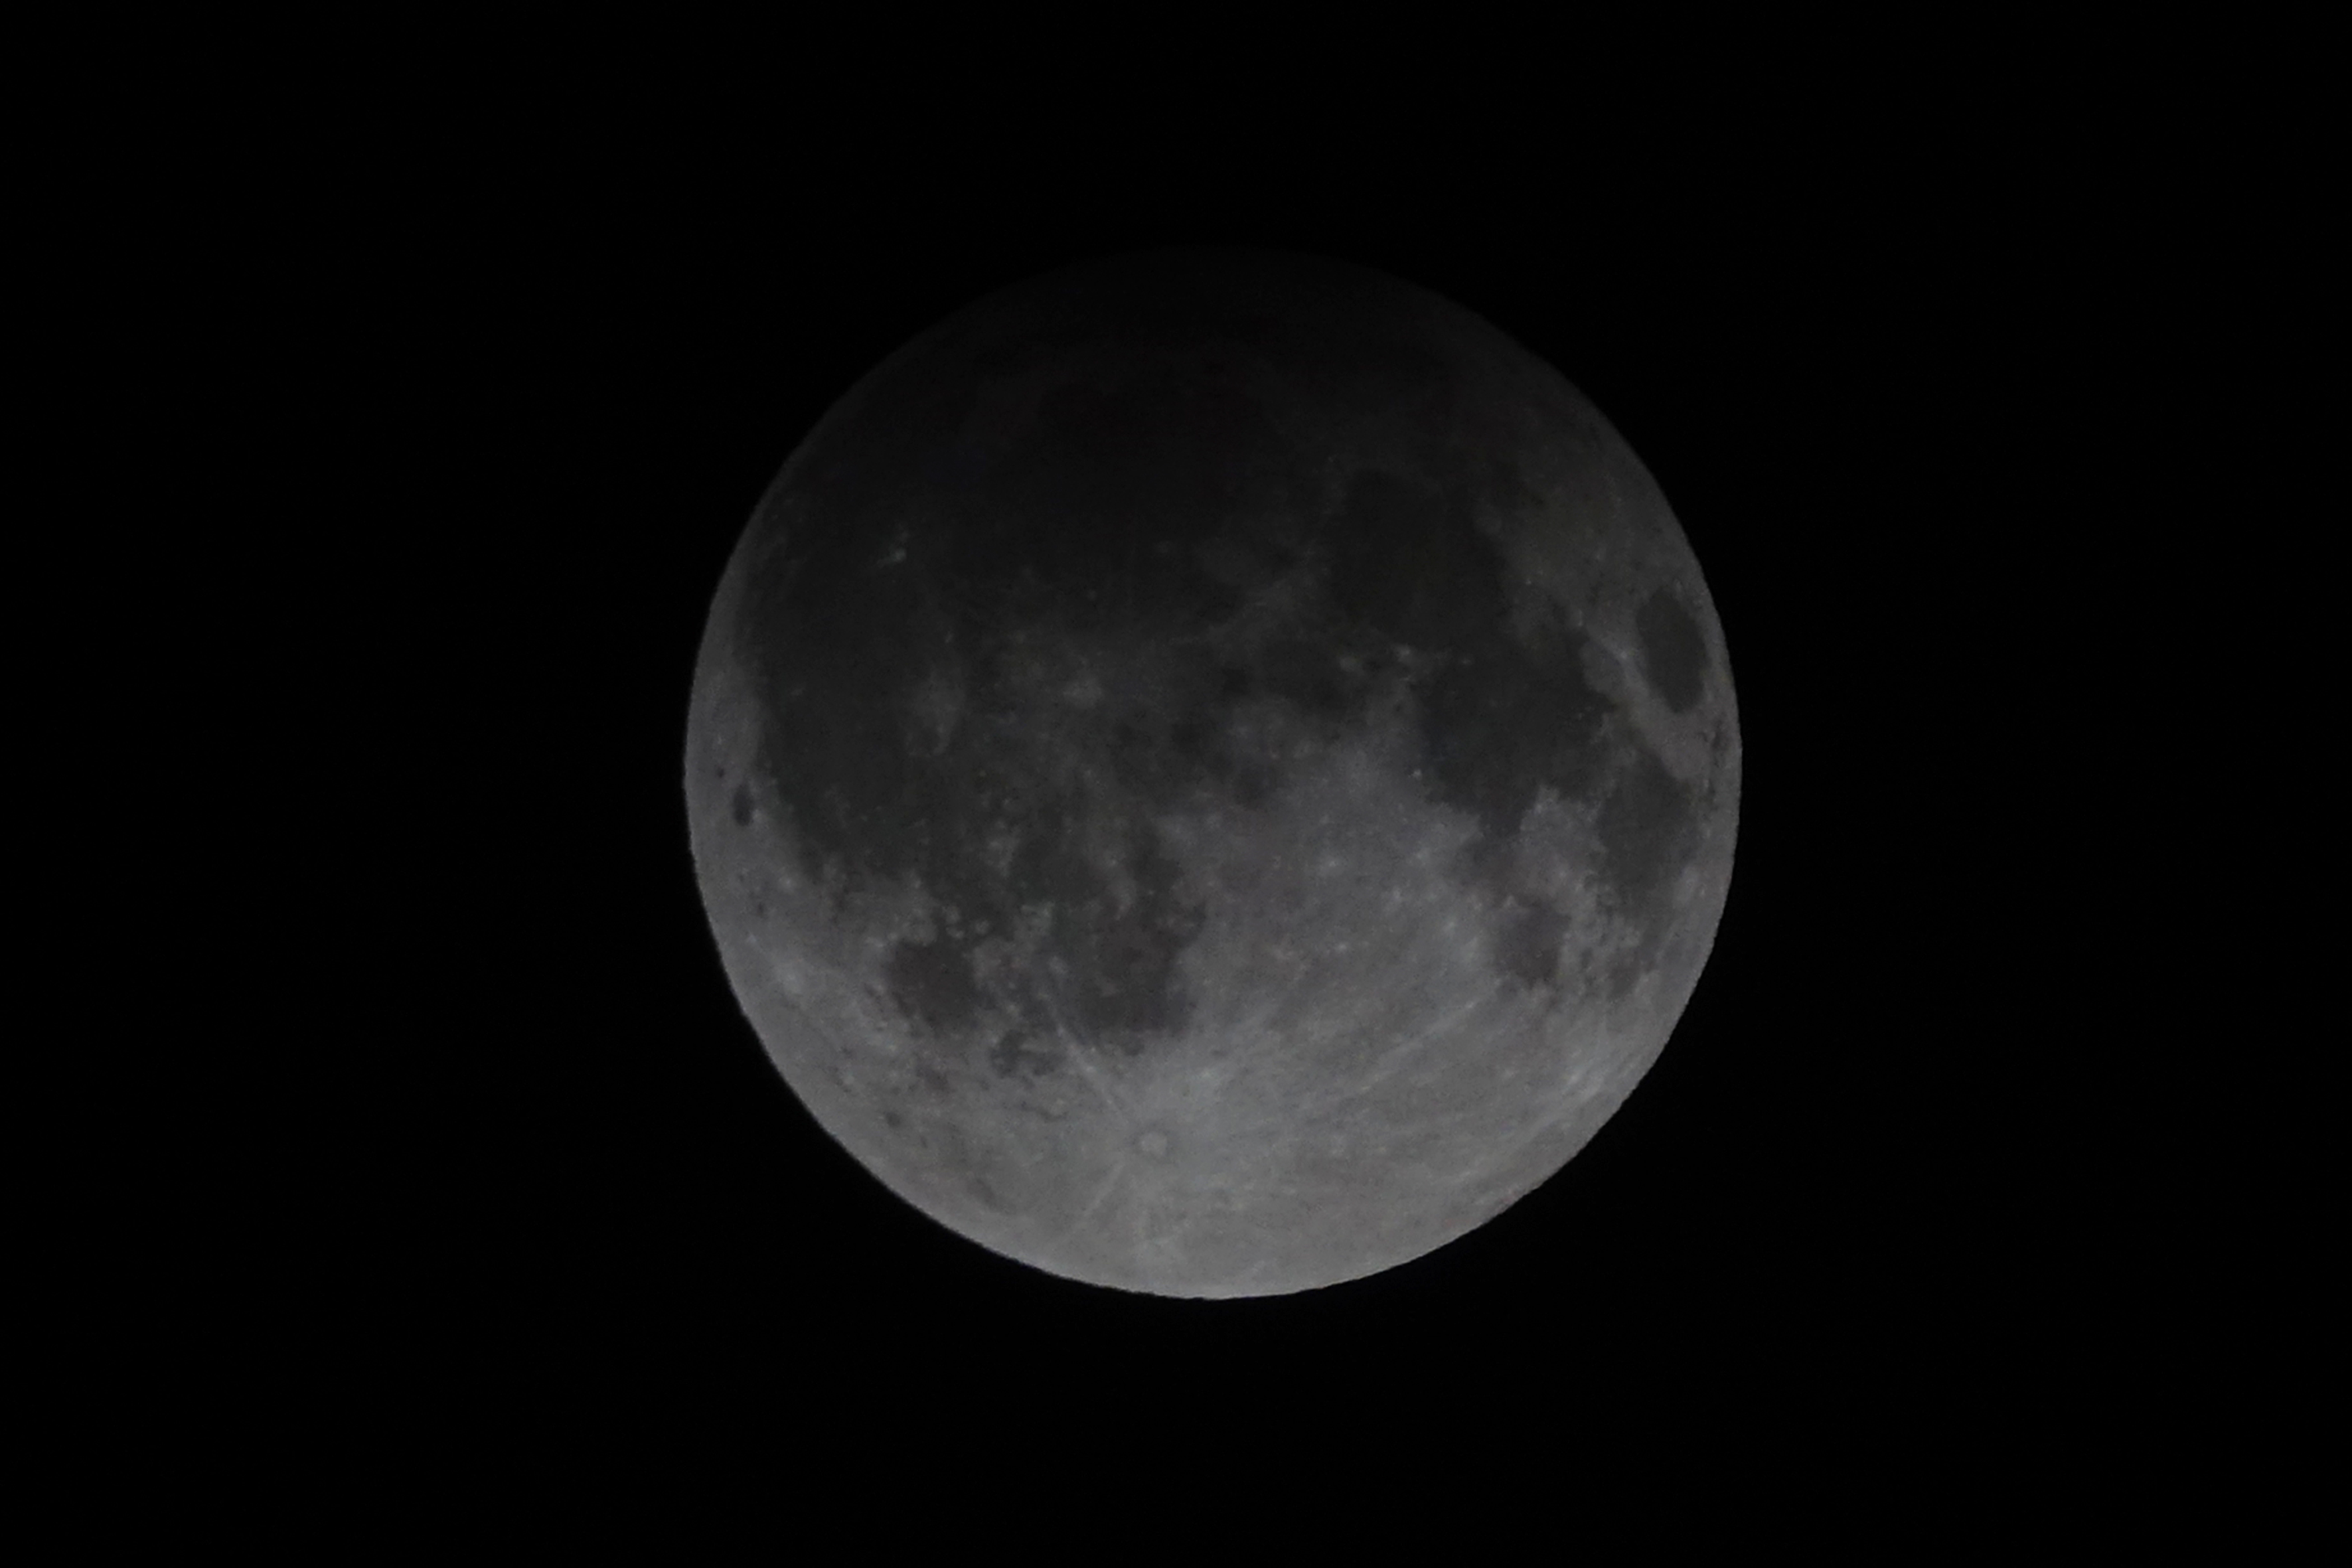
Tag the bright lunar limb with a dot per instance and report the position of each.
(1214, 772)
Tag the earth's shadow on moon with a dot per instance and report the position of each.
(1212, 773)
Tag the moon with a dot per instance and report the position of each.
(1212, 773)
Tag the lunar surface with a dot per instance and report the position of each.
(1212, 772)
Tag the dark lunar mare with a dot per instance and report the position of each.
(1673, 653)
(1091, 474)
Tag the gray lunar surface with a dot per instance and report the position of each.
(1214, 772)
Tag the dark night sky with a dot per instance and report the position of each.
(1878, 372)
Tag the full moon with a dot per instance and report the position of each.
(1212, 773)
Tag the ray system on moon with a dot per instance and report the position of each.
(1214, 772)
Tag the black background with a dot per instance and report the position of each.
(1910, 375)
